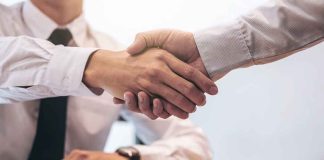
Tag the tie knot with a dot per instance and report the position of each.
(60, 36)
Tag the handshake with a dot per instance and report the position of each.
(161, 74)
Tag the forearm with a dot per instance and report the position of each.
(269, 33)
(33, 69)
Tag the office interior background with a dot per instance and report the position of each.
(269, 112)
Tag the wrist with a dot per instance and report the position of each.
(92, 77)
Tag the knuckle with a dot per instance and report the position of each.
(180, 99)
(162, 55)
(189, 71)
(153, 72)
(139, 77)
(159, 55)
(145, 84)
(156, 73)
(206, 85)
(190, 88)
(140, 35)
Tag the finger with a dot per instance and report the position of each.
(159, 106)
(144, 105)
(165, 115)
(142, 41)
(131, 102)
(138, 46)
(158, 109)
(185, 87)
(173, 110)
(118, 101)
(192, 74)
(151, 39)
(172, 96)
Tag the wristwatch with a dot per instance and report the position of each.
(129, 152)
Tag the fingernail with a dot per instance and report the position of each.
(213, 90)
(195, 110)
(140, 99)
(204, 102)
(155, 104)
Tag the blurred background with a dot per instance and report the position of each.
(270, 112)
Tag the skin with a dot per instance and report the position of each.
(61, 11)
(91, 155)
(183, 94)
(182, 45)
(156, 72)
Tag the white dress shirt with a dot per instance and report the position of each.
(56, 70)
(49, 70)
(271, 32)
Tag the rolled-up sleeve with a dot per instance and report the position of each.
(32, 68)
(269, 33)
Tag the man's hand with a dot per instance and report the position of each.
(180, 44)
(91, 155)
(156, 72)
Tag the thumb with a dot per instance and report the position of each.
(139, 45)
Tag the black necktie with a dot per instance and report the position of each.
(50, 135)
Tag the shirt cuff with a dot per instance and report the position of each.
(65, 70)
(223, 49)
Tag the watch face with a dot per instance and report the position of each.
(129, 152)
(126, 152)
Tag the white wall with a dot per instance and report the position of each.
(270, 112)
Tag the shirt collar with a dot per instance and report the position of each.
(42, 26)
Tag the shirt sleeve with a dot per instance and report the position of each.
(32, 68)
(269, 33)
(171, 139)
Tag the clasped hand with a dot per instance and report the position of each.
(156, 82)
(182, 45)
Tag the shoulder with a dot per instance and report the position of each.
(5, 11)
(10, 19)
(10, 11)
